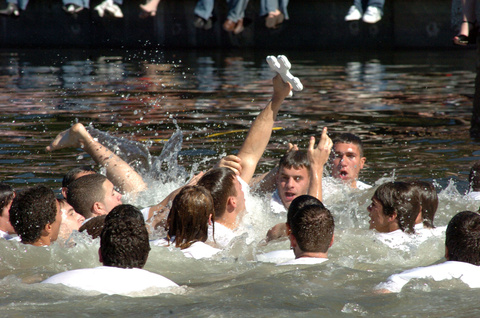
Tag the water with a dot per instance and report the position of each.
(411, 108)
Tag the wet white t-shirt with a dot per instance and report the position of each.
(279, 256)
(114, 280)
(197, 250)
(467, 273)
(305, 261)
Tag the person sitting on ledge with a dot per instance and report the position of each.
(14, 7)
(233, 23)
(372, 14)
(124, 249)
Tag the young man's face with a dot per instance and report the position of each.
(378, 220)
(112, 198)
(71, 220)
(347, 163)
(292, 183)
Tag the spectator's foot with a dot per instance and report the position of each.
(11, 9)
(148, 10)
(101, 7)
(372, 15)
(238, 27)
(353, 14)
(72, 8)
(229, 25)
(114, 10)
(201, 23)
(467, 35)
(274, 19)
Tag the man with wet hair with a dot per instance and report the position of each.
(93, 195)
(74, 174)
(428, 203)
(348, 160)
(292, 178)
(310, 228)
(35, 215)
(462, 252)
(124, 249)
(6, 198)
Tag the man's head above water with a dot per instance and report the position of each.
(348, 158)
(293, 177)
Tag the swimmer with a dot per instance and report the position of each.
(226, 187)
(71, 220)
(124, 249)
(93, 195)
(462, 252)
(428, 204)
(6, 198)
(310, 230)
(347, 163)
(35, 215)
(393, 211)
(74, 174)
(188, 221)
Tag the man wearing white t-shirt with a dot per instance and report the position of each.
(124, 249)
(462, 251)
(310, 230)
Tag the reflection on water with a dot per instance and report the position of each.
(412, 110)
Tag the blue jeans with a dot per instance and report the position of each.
(267, 6)
(363, 4)
(21, 4)
(236, 9)
(80, 3)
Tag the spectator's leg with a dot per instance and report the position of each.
(204, 9)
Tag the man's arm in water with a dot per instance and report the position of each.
(124, 177)
(261, 130)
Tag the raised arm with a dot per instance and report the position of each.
(261, 130)
(124, 177)
(318, 157)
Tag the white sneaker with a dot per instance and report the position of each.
(372, 15)
(114, 10)
(353, 14)
(101, 7)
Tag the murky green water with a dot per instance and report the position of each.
(412, 109)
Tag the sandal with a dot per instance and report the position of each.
(471, 38)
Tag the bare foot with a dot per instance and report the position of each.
(73, 137)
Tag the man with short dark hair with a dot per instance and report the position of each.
(35, 215)
(310, 229)
(74, 174)
(124, 249)
(93, 195)
(462, 251)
